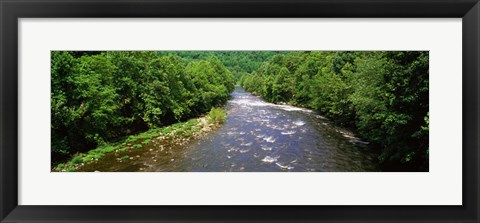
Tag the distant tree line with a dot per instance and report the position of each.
(238, 62)
(383, 96)
(98, 97)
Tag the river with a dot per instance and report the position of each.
(257, 137)
(260, 136)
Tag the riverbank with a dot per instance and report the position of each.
(130, 148)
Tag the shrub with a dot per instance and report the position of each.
(77, 160)
(217, 115)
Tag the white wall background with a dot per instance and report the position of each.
(441, 186)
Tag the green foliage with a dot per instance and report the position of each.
(217, 115)
(76, 160)
(383, 95)
(70, 169)
(239, 63)
(167, 130)
(98, 97)
(178, 131)
(104, 149)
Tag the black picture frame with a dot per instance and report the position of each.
(11, 11)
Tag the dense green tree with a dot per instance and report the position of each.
(98, 97)
(238, 63)
(62, 65)
(381, 95)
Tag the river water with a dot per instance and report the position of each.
(260, 137)
(257, 137)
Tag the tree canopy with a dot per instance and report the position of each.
(98, 97)
(381, 95)
(238, 62)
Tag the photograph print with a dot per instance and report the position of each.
(239, 111)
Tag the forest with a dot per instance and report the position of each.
(99, 97)
(102, 97)
(383, 96)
